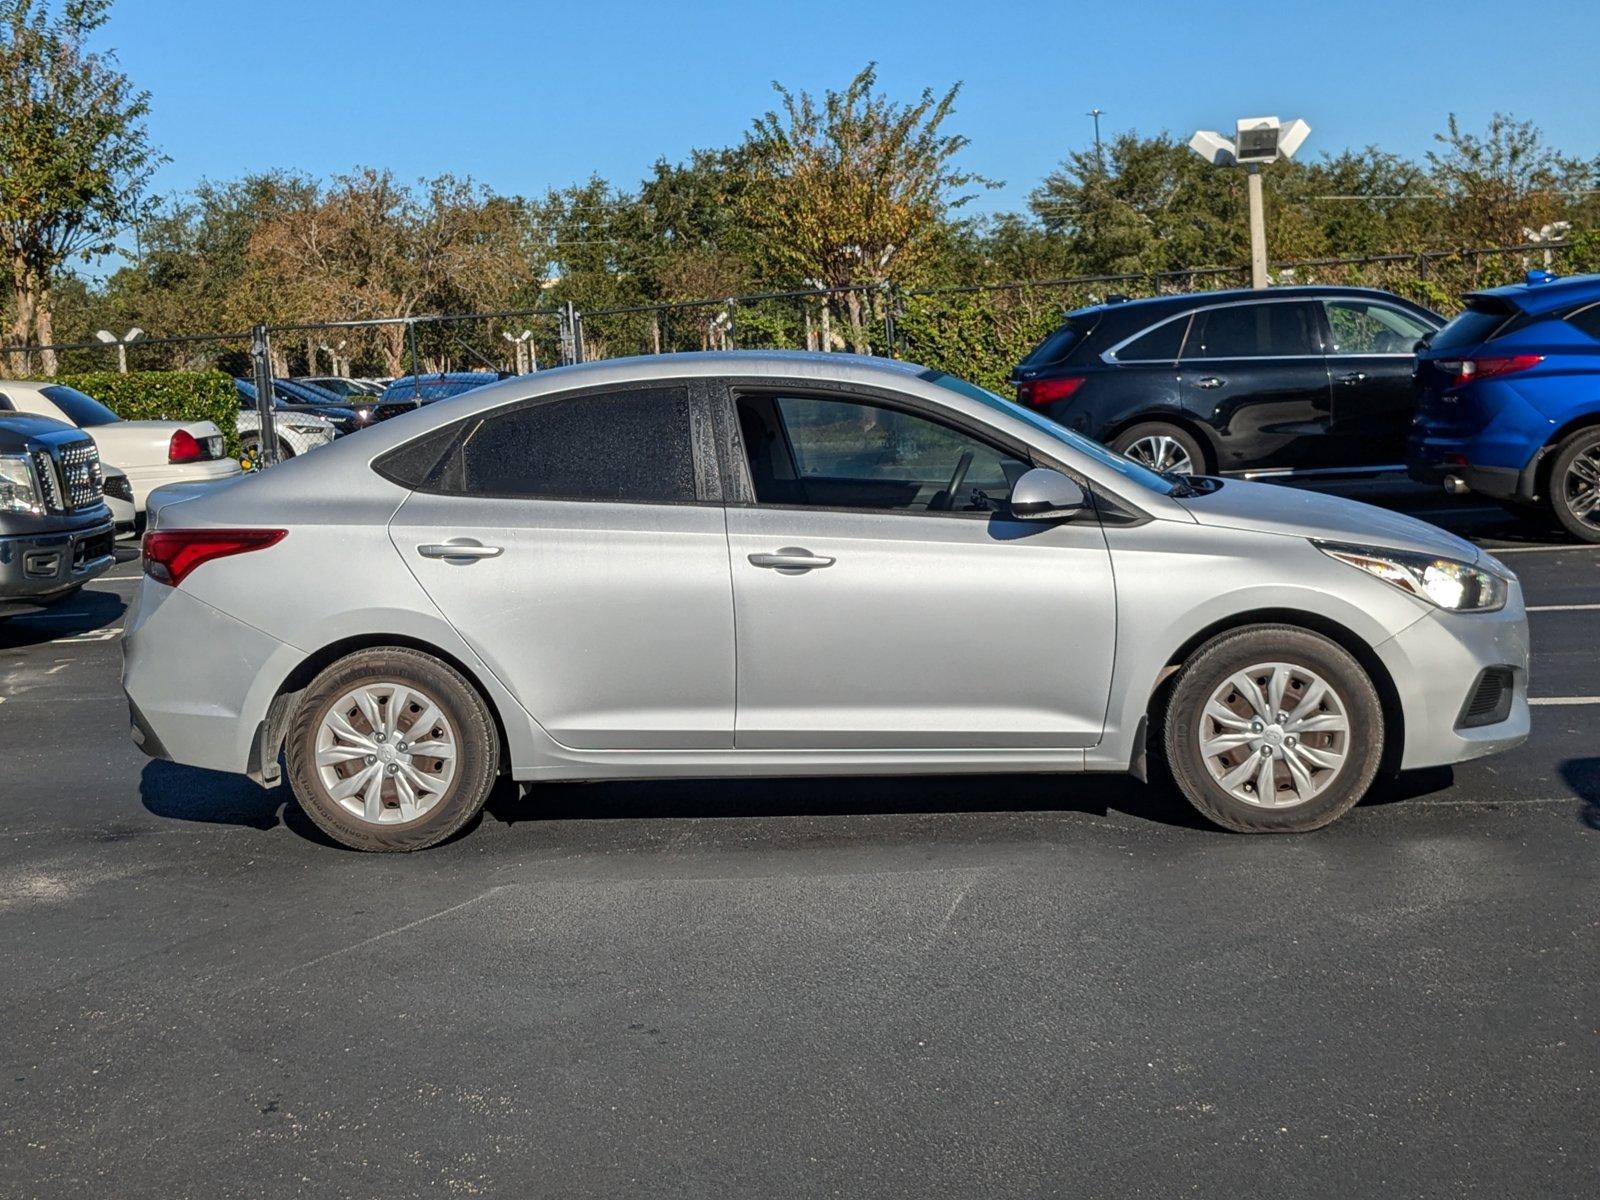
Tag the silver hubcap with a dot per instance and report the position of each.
(1582, 486)
(1274, 735)
(1161, 453)
(386, 753)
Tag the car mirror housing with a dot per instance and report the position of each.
(1043, 494)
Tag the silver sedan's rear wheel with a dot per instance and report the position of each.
(1273, 729)
(392, 749)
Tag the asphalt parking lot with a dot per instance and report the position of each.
(960, 986)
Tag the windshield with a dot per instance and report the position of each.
(1127, 468)
(83, 411)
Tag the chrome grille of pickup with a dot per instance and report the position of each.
(80, 473)
(69, 475)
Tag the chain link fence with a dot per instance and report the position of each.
(978, 331)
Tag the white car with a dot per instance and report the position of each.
(150, 453)
(298, 433)
(118, 494)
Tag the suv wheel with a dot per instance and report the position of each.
(391, 749)
(1575, 485)
(1273, 729)
(1161, 447)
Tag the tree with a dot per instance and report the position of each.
(1496, 186)
(74, 154)
(851, 193)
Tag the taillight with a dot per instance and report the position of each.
(1468, 370)
(185, 447)
(1036, 393)
(171, 554)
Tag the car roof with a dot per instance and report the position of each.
(1148, 305)
(1542, 293)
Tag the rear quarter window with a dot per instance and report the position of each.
(1061, 343)
(1477, 324)
(1586, 321)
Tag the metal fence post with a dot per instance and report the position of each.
(411, 341)
(261, 361)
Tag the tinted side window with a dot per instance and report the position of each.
(1587, 320)
(1362, 327)
(1255, 331)
(632, 446)
(1160, 344)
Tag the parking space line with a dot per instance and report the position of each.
(1562, 607)
(1558, 701)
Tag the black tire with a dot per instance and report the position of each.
(1584, 444)
(1230, 653)
(1151, 430)
(478, 749)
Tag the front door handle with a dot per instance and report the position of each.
(460, 549)
(1211, 381)
(791, 558)
(1353, 378)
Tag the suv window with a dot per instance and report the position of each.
(1480, 321)
(629, 446)
(857, 454)
(1160, 344)
(1272, 330)
(83, 411)
(1365, 327)
(1060, 343)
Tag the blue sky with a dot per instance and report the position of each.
(525, 95)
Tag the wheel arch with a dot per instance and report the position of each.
(269, 738)
(1341, 635)
(1204, 437)
(1545, 460)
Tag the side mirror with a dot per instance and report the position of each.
(1043, 494)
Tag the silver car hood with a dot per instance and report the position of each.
(1270, 508)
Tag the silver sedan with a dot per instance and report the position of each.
(765, 564)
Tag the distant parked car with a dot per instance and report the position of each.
(1240, 382)
(152, 453)
(344, 389)
(1508, 400)
(428, 388)
(291, 401)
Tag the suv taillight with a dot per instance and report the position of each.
(171, 554)
(1036, 393)
(1469, 370)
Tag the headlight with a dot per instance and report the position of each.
(19, 493)
(1458, 586)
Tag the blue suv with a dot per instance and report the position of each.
(1508, 400)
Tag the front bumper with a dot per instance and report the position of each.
(1436, 665)
(36, 570)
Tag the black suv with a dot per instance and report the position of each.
(1256, 383)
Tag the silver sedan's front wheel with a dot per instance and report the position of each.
(1273, 728)
(1274, 734)
(392, 749)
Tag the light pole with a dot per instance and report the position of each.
(334, 361)
(1257, 142)
(523, 344)
(121, 343)
(1096, 114)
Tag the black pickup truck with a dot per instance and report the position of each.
(55, 529)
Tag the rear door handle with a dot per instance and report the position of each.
(1353, 378)
(791, 558)
(460, 549)
(1211, 381)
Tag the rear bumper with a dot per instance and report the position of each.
(1437, 664)
(1503, 483)
(36, 570)
(198, 708)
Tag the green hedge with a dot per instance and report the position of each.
(165, 396)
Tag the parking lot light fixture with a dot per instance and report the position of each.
(1257, 142)
(121, 343)
(527, 361)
